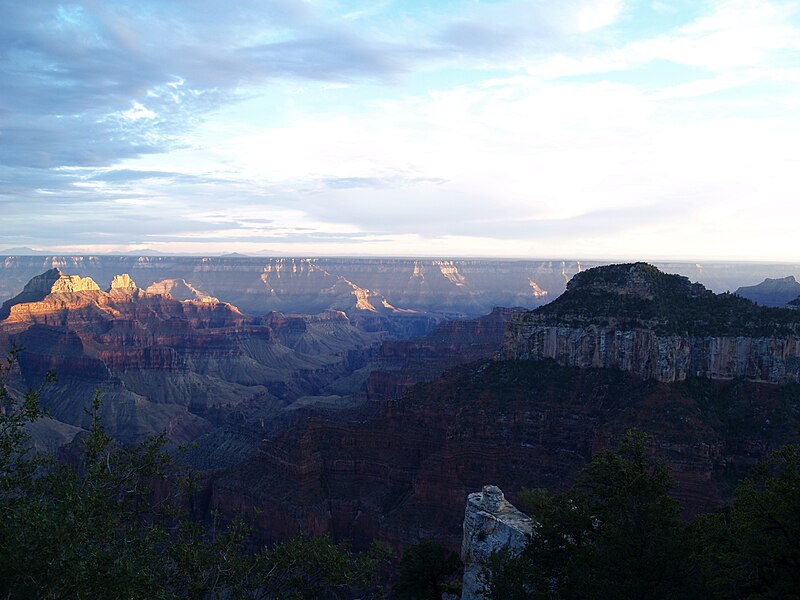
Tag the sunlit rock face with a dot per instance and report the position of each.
(491, 525)
(165, 364)
(51, 282)
(122, 282)
(465, 287)
(638, 319)
(179, 289)
(363, 287)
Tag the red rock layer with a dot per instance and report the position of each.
(403, 473)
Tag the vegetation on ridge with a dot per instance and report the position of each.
(639, 295)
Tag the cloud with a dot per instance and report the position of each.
(516, 127)
(91, 85)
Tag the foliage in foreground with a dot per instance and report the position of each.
(99, 530)
(426, 571)
(616, 534)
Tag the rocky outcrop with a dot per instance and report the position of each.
(122, 282)
(491, 525)
(635, 318)
(52, 282)
(772, 292)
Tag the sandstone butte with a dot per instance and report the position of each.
(164, 363)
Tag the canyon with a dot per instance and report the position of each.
(399, 468)
(370, 286)
(377, 419)
(164, 364)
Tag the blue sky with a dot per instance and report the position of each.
(591, 128)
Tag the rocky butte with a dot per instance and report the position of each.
(166, 364)
(635, 318)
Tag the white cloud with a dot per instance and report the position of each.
(138, 112)
(520, 156)
(597, 14)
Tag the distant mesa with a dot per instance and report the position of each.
(23, 251)
(772, 292)
(142, 252)
(179, 289)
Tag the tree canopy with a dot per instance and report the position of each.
(617, 534)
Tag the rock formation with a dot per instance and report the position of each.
(636, 318)
(372, 289)
(167, 364)
(400, 470)
(491, 524)
(463, 287)
(179, 289)
(122, 282)
(772, 292)
(48, 283)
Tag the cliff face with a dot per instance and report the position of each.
(370, 289)
(635, 318)
(167, 364)
(666, 358)
(400, 470)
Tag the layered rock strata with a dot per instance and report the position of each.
(399, 471)
(466, 287)
(635, 318)
(665, 358)
(365, 288)
(168, 364)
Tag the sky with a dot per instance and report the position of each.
(520, 128)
